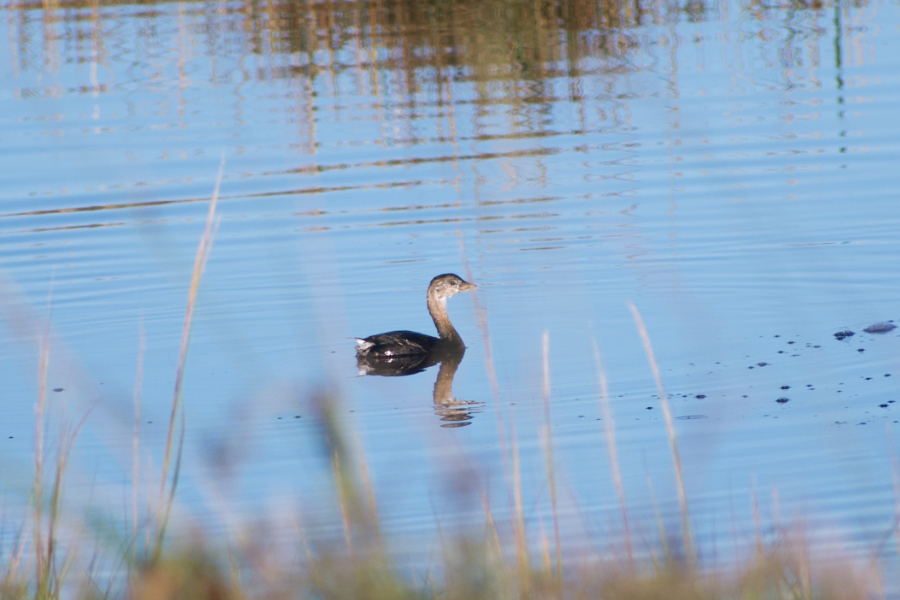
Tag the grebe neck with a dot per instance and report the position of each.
(437, 307)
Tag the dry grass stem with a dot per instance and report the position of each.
(673, 442)
(42, 565)
(613, 451)
(135, 465)
(203, 249)
(548, 450)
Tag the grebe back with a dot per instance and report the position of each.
(410, 343)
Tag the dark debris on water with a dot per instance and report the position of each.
(876, 328)
(882, 327)
(755, 363)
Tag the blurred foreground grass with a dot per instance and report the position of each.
(49, 555)
(360, 562)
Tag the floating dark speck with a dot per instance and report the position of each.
(840, 335)
(783, 400)
(785, 387)
(649, 408)
(57, 389)
(762, 364)
(883, 405)
(701, 396)
(883, 327)
(861, 350)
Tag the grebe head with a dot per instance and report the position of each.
(444, 286)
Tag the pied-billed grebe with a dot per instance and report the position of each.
(410, 343)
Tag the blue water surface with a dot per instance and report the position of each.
(732, 174)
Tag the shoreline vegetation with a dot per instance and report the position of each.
(49, 554)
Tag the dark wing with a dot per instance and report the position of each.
(395, 343)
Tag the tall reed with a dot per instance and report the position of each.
(687, 536)
(613, 451)
(548, 450)
(166, 500)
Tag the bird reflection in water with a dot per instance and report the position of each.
(451, 411)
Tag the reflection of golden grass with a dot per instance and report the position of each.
(508, 50)
(483, 40)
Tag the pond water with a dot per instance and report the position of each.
(729, 168)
